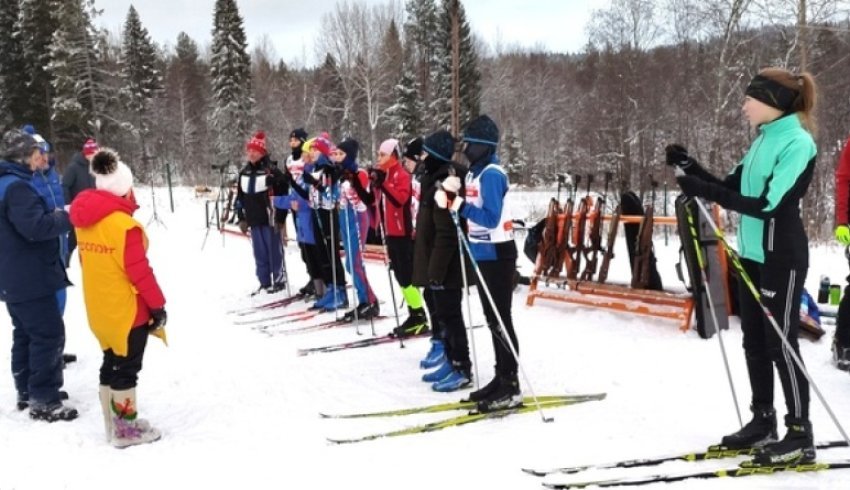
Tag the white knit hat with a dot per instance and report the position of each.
(110, 173)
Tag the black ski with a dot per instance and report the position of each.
(714, 452)
(736, 472)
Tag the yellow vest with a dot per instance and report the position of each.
(110, 297)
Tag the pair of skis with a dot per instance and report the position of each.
(529, 405)
(712, 453)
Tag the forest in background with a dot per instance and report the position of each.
(652, 72)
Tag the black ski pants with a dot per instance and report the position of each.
(842, 323)
(122, 372)
(498, 276)
(437, 332)
(400, 251)
(447, 314)
(781, 289)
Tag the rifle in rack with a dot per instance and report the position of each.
(547, 256)
(643, 247)
(613, 226)
(591, 255)
(564, 249)
(578, 233)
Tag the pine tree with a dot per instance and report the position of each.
(421, 38)
(330, 100)
(230, 70)
(515, 159)
(469, 74)
(140, 76)
(35, 30)
(405, 115)
(78, 81)
(13, 90)
(187, 93)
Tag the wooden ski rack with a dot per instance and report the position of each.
(662, 304)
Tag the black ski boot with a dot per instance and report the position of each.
(485, 391)
(504, 396)
(416, 323)
(364, 311)
(796, 447)
(53, 412)
(24, 399)
(308, 290)
(759, 431)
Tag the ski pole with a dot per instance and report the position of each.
(350, 259)
(468, 298)
(736, 261)
(389, 264)
(504, 330)
(704, 277)
(360, 245)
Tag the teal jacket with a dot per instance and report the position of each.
(766, 188)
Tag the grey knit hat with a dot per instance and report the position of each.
(17, 145)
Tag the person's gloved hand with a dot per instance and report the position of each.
(692, 186)
(452, 184)
(158, 318)
(677, 155)
(156, 325)
(243, 226)
(842, 234)
(377, 176)
(441, 198)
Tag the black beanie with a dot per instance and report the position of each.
(350, 147)
(772, 93)
(299, 133)
(482, 130)
(440, 144)
(413, 149)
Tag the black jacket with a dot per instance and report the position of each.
(30, 264)
(76, 178)
(255, 186)
(436, 256)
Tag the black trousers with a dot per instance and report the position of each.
(842, 323)
(781, 289)
(400, 251)
(437, 331)
(498, 275)
(447, 314)
(122, 372)
(327, 222)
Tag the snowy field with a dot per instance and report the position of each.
(238, 409)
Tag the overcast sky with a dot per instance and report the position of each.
(557, 25)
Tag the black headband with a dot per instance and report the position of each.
(772, 93)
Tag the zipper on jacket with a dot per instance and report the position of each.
(770, 231)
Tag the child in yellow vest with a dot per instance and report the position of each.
(123, 300)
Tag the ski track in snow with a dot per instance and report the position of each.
(239, 409)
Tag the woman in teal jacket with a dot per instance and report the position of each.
(766, 188)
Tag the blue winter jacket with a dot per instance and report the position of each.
(49, 186)
(304, 231)
(30, 264)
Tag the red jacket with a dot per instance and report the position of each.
(393, 200)
(842, 187)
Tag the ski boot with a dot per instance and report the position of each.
(308, 290)
(24, 399)
(759, 431)
(435, 356)
(415, 324)
(504, 396)
(338, 300)
(52, 412)
(364, 311)
(796, 447)
(456, 380)
(485, 391)
(438, 374)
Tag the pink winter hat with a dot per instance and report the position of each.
(389, 146)
(90, 147)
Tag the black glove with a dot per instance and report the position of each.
(377, 177)
(693, 186)
(677, 155)
(243, 226)
(158, 319)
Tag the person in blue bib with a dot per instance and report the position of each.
(766, 188)
(491, 240)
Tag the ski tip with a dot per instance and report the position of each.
(533, 472)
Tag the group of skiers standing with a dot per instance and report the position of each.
(90, 206)
(423, 206)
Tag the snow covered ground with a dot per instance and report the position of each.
(238, 409)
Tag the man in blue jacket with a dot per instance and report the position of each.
(31, 272)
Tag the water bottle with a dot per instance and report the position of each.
(823, 290)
